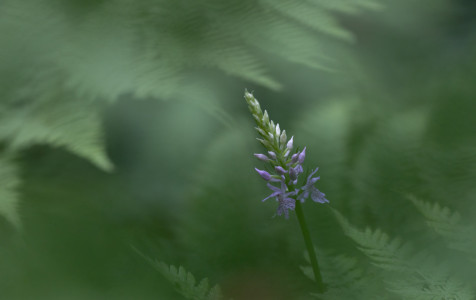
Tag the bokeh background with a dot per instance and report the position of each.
(123, 130)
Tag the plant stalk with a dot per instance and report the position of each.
(310, 247)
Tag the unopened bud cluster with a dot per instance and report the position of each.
(285, 167)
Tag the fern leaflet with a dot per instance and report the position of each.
(409, 275)
(448, 225)
(9, 182)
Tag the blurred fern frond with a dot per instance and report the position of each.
(150, 47)
(9, 182)
(47, 112)
(345, 278)
(58, 59)
(448, 225)
(407, 274)
(186, 284)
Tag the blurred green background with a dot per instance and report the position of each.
(123, 126)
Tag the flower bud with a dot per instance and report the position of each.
(261, 157)
(290, 143)
(261, 131)
(266, 176)
(294, 158)
(280, 170)
(293, 174)
(286, 153)
(272, 154)
(265, 117)
(248, 95)
(278, 130)
(302, 155)
(264, 143)
(283, 137)
(271, 135)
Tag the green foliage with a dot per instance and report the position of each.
(49, 113)
(398, 120)
(185, 283)
(59, 60)
(449, 226)
(406, 273)
(9, 183)
(218, 206)
(148, 47)
(345, 277)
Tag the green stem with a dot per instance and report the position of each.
(310, 247)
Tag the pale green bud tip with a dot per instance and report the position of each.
(251, 100)
(265, 117)
(271, 136)
(261, 131)
(283, 137)
(265, 143)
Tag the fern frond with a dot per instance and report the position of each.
(148, 48)
(9, 182)
(345, 278)
(185, 283)
(348, 6)
(445, 289)
(47, 112)
(407, 274)
(448, 225)
(313, 16)
(385, 253)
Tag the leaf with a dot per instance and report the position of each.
(9, 182)
(448, 225)
(410, 275)
(149, 48)
(47, 112)
(345, 278)
(185, 283)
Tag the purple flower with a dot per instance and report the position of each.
(302, 155)
(299, 169)
(280, 170)
(266, 176)
(285, 202)
(309, 190)
(294, 158)
(298, 157)
(290, 143)
(293, 173)
(272, 154)
(261, 157)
